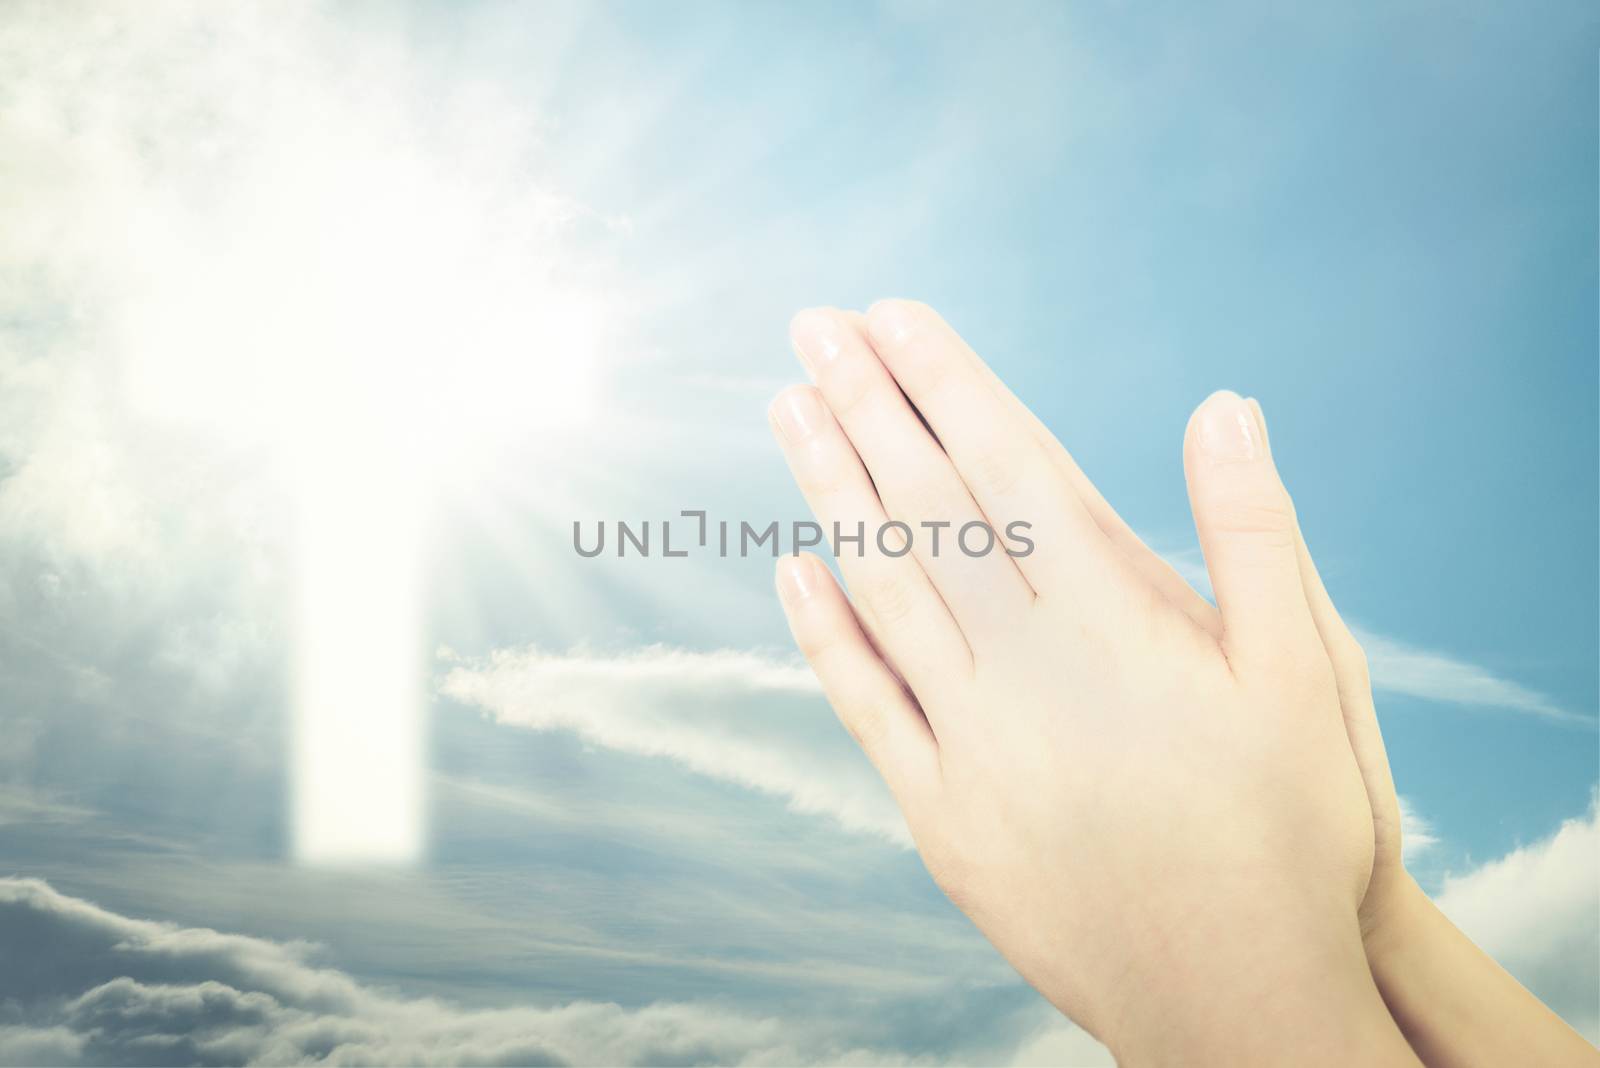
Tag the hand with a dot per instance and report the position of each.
(1154, 814)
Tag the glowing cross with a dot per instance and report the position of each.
(379, 346)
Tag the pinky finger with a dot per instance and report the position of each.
(869, 699)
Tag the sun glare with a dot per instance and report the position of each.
(368, 310)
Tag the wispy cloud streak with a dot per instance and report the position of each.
(1402, 668)
(737, 716)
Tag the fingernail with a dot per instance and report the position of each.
(798, 413)
(1261, 423)
(814, 333)
(1226, 429)
(797, 578)
(892, 320)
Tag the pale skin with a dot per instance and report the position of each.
(1175, 820)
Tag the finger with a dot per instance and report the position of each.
(1354, 681)
(1343, 649)
(1145, 560)
(1000, 461)
(865, 694)
(958, 547)
(900, 607)
(1246, 525)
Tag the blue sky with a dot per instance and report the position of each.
(1378, 219)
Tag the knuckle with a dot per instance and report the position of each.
(821, 480)
(865, 722)
(1269, 518)
(921, 499)
(816, 642)
(931, 374)
(993, 473)
(849, 393)
(889, 598)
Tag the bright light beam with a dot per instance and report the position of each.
(359, 724)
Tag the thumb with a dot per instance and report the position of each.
(1247, 530)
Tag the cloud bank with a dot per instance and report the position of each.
(87, 986)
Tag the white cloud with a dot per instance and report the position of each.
(1056, 1042)
(1416, 832)
(1537, 911)
(694, 708)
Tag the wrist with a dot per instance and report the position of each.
(1277, 988)
(1393, 915)
(1453, 1003)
